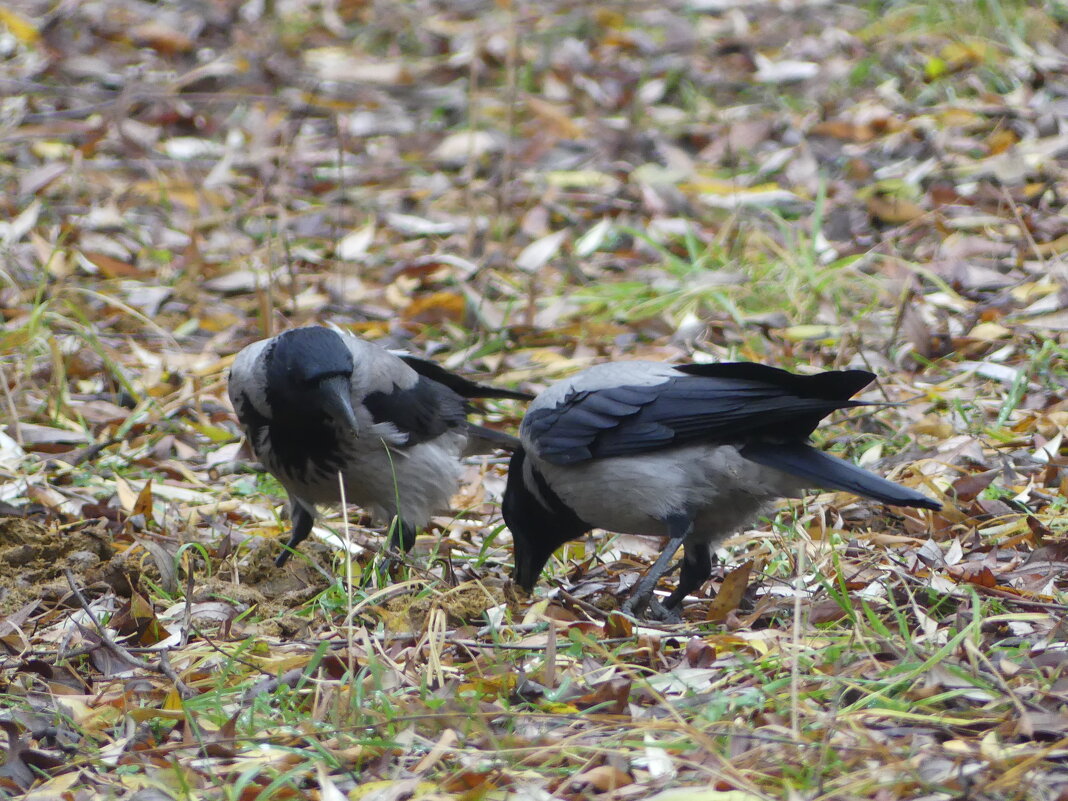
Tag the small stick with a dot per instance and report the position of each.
(163, 667)
(187, 617)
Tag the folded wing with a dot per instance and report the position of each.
(728, 402)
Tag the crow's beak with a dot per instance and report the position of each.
(527, 570)
(337, 402)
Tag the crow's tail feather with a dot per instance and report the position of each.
(482, 440)
(828, 472)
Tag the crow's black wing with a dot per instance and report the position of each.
(463, 387)
(424, 411)
(730, 403)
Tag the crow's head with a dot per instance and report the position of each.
(309, 374)
(539, 521)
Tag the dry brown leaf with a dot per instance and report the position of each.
(609, 697)
(893, 210)
(603, 778)
(843, 129)
(161, 37)
(731, 592)
(143, 504)
(560, 123)
(968, 487)
(436, 308)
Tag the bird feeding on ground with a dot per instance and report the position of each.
(316, 403)
(689, 452)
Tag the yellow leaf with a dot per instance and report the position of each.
(702, 792)
(437, 307)
(143, 504)
(609, 18)
(556, 118)
(580, 179)
(374, 788)
(214, 433)
(894, 210)
(52, 151)
(967, 53)
(77, 709)
(126, 494)
(1035, 189)
(216, 320)
(989, 331)
(827, 334)
(935, 68)
(12, 340)
(715, 186)
(173, 703)
(170, 711)
(19, 27)
(536, 612)
(1057, 246)
(959, 747)
(493, 685)
(759, 645)
(281, 663)
(933, 425)
(557, 708)
(958, 118)
(1001, 140)
(1033, 290)
(59, 787)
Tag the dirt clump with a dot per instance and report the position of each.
(33, 558)
(462, 605)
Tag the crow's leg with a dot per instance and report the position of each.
(403, 535)
(302, 516)
(401, 540)
(696, 568)
(679, 528)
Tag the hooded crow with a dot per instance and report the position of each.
(315, 402)
(690, 452)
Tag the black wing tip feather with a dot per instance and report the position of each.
(828, 385)
(464, 387)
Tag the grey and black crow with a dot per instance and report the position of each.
(690, 452)
(315, 402)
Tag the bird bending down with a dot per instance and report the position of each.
(690, 452)
(315, 402)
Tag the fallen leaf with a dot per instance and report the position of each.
(603, 778)
(161, 37)
(731, 592)
(893, 210)
(539, 252)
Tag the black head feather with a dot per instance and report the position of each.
(539, 521)
(299, 361)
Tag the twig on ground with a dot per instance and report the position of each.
(162, 667)
(252, 665)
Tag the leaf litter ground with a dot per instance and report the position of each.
(521, 191)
